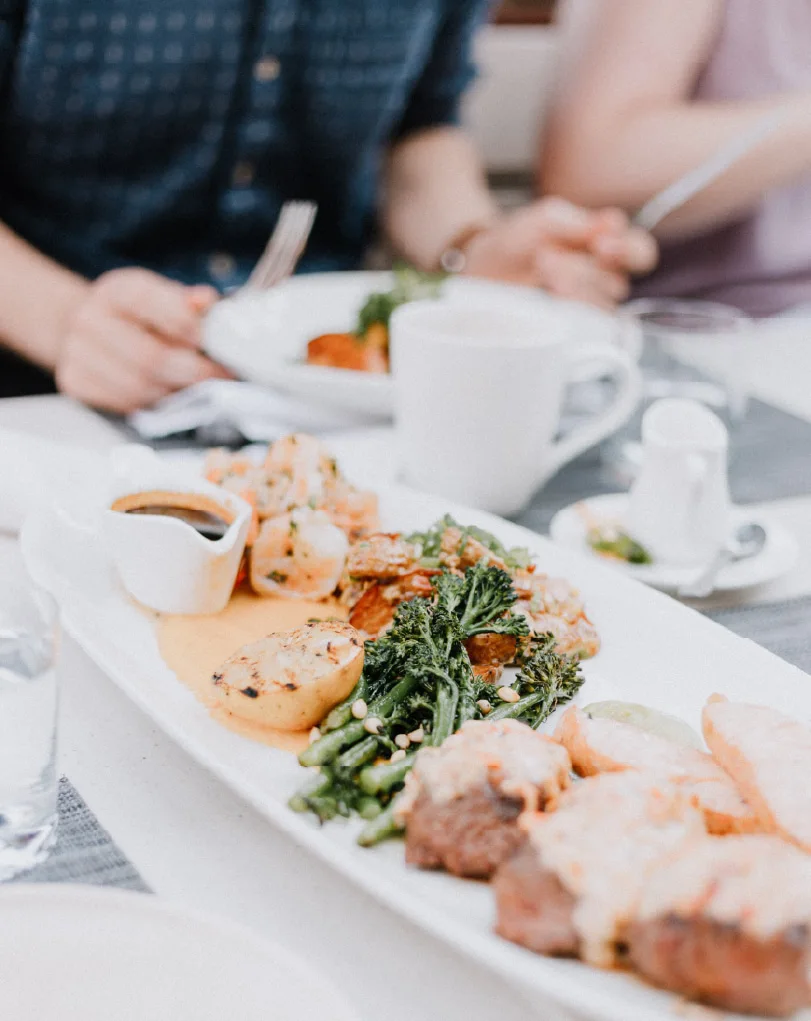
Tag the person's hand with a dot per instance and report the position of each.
(132, 339)
(568, 251)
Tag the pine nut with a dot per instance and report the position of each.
(398, 756)
(508, 694)
(372, 725)
(417, 736)
(484, 705)
(315, 734)
(402, 741)
(359, 709)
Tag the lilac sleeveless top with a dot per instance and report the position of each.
(762, 264)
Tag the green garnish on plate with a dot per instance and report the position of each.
(610, 541)
(409, 285)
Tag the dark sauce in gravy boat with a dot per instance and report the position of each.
(201, 513)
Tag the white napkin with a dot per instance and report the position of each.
(257, 412)
(35, 470)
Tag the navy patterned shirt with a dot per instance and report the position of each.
(167, 133)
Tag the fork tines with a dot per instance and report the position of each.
(285, 246)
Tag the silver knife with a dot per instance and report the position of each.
(701, 177)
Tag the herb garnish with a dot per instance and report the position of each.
(430, 544)
(409, 285)
(610, 541)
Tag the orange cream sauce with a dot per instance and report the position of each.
(194, 648)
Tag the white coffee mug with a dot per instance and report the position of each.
(679, 505)
(478, 396)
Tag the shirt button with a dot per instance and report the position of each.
(243, 174)
(221, 265)
(267, 69)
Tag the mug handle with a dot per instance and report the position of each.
(624, 368)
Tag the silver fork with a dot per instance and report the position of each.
(285, 247)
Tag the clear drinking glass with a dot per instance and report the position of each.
(694, 349)
(28, 706)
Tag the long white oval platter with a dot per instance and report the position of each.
(654, 651)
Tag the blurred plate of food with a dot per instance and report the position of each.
(323, 337)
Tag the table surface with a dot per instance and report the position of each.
(196, 843)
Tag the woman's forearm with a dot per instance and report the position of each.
(633, 158)
(37, 297)
(624, 124)
(435, 190)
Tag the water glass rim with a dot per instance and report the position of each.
(683, 317)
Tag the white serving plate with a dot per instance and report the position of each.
(263, 337)
(655, 651)
(77, 953)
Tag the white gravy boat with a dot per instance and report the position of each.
(164, 562)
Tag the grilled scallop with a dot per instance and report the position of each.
(290, 680)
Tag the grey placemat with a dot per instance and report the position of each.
(84, 851)
(770, 460)
(783, 628)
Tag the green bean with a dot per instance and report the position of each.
(313, 788)
(514, 710)
(341, 714)
(358, 755)
(380, 828)
(369, 808)
(444, 713)
(380, 779)
(326, 748)
(383, 705)
(325, 808)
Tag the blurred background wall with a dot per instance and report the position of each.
(505, 109)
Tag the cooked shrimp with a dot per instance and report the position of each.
(302, 464)
(221, 464)
(299, 555)
(552, 605)
(240, 475)
(353, 510)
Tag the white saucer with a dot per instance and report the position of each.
(777, 557)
